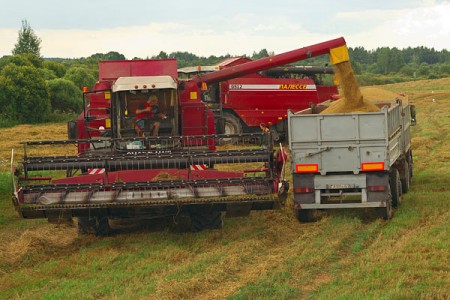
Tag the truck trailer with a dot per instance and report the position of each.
(351, 160)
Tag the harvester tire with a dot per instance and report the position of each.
(94, 225)
(305, 215)
(232, 125)
(275, 136)
(205, 218)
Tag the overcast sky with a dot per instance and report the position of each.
(143, 28)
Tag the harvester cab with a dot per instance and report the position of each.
(130, 95)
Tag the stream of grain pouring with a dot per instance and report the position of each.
(353, 100)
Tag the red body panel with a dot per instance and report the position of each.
(267, 100)
(113, 69)
(196, 119)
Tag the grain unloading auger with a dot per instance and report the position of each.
(181, 172)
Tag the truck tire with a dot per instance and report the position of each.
(407, 179)
(385, 212)
(93, 225)
(305, 215)
(396, 188)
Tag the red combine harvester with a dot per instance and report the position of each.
(241, 104)
(180, 173)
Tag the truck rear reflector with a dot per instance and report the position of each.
(307, 168)
(372, 166)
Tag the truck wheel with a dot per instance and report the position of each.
(94, 225)
(305, 215)
(385, 212)
(407, 180)
(396, 188)
(410, 172)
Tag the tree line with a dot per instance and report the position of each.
(35, 90)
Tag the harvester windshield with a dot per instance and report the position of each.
(138, 103)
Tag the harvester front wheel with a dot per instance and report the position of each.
(93, 225)
(205, 218)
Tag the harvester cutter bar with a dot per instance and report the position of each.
(164, 184)
(76, 197)
(145, 160)
(146, 207)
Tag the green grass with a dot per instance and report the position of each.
(346, 254)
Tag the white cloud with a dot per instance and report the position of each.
(429, 25)
(145, 41)
(242, 33)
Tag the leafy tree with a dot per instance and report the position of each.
(445, 68)
(389, 60)
(360, 55)
(24, 94)
(28, 41)
(113, 55)
(80, 77)
(424, 69)
(65, 96)
(95, 58)
(27, 59)
(47, 74)
(162, 55)
(262, 53)
(3, 62)
(58, 68)
(356, 66)
(409, 69)
(19, 60)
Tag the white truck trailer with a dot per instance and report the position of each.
(351, 160)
